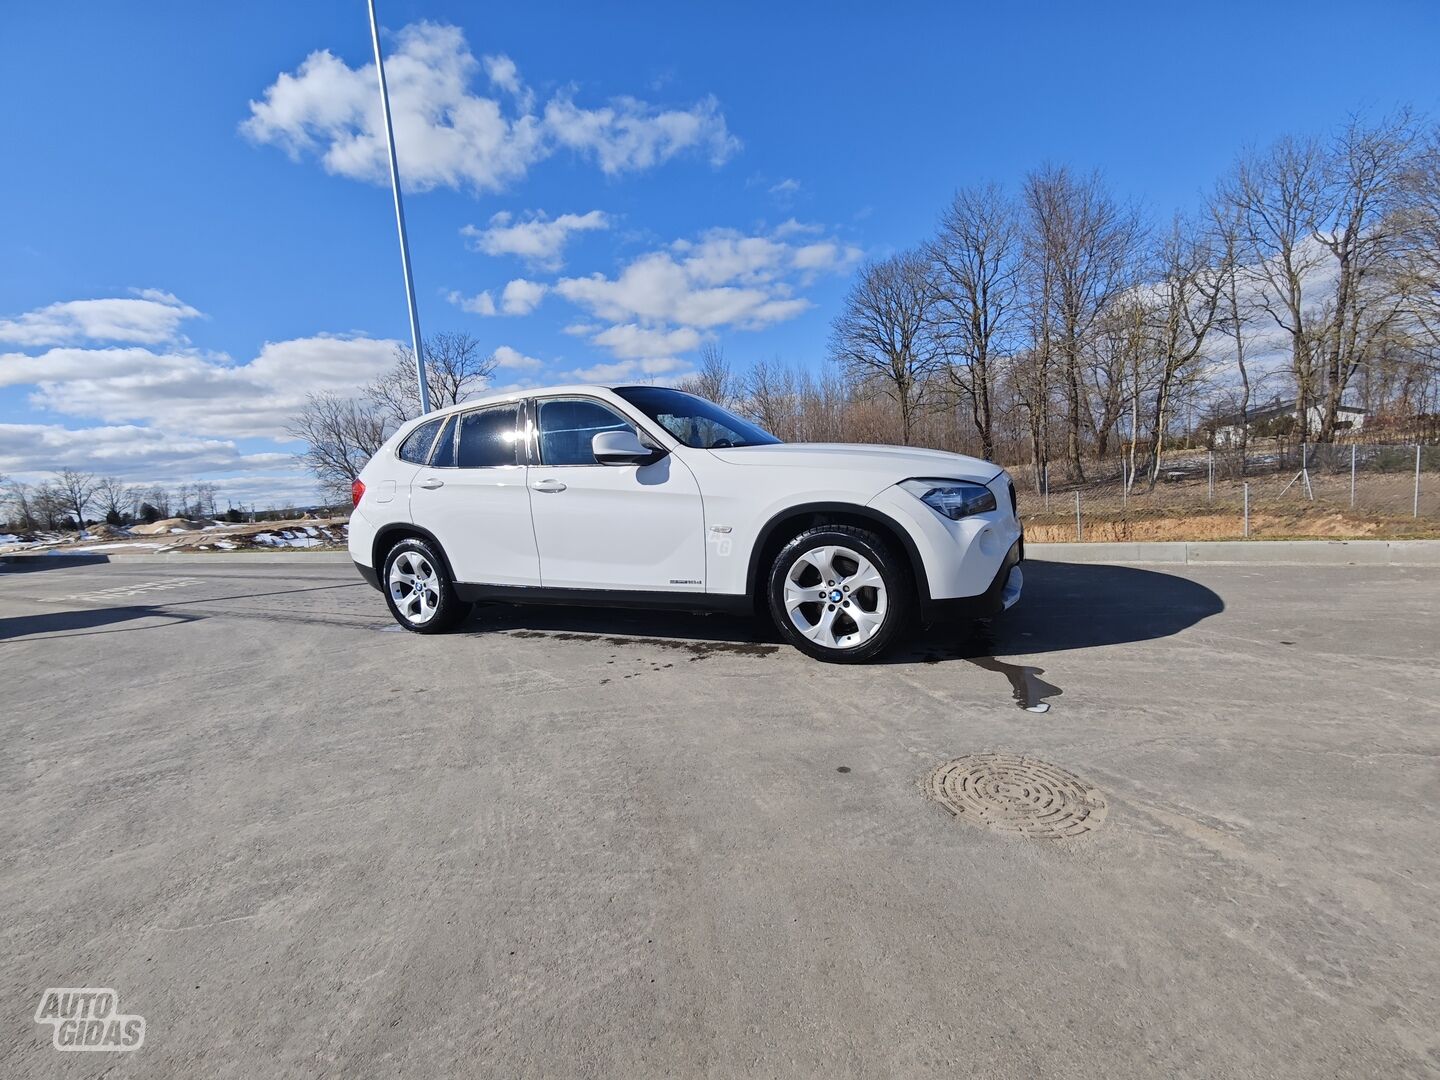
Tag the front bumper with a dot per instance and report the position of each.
(1002, 593)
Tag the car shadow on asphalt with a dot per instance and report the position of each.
(82, 622)
(1065, 606)
(30, 564)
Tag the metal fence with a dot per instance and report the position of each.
(1278, 489)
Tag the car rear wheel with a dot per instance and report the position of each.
(419, 591)
(839, 594)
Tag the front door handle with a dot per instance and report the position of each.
(430, 483)
(548, 485)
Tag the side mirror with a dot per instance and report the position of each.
(622, 448)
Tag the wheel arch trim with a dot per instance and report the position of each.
(793, 514)
(389, 535)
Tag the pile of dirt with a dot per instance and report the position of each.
(170, 525)
(309, 533)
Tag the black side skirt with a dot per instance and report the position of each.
(605, 598)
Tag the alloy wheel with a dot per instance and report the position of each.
(415, 587)
(835, 597)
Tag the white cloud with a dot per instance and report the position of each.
(447, 135)
(630, 135)
(633, 342)
(535, 238)
(791, 227)
(127, 451)
(629, 369)
(522, 297)
(724, 279)
(519, 297)
(148, 318)
(786, 189)
(186, 390)
(514, 360)
(481, 303)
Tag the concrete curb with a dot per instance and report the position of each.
(1248, 552)
(1175, 553)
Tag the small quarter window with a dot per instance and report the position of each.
(416, 447)
(444, 456)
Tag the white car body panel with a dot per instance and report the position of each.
(482, 519)
(624, 528)
(617, 527)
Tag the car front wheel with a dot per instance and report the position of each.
(419, 591)
(839, 594)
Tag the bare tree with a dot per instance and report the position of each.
(76, 490)
(1418, 268)
(456, 368)
(1237, 308)
(976, 260)
(1083, 244)
(340, 436)
(1280, 197)
(1187, 296)
(48, 504)
(714, 381)
(772, 398)
(115, 499)
(885, 337)
(1363, 236)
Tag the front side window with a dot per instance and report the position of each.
(416, 447)
(568, 424)
(693, 420)
(487, 438)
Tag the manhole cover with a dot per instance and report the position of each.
(1013, 793)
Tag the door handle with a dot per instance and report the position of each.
(548, 485)
(430, 483)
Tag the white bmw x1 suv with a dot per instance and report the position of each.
(642, 496)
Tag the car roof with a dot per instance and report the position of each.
(516, 395)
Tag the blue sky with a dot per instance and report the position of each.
(651, 175)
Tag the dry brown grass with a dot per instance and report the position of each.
(1264, 525)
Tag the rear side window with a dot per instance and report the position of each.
(444, 457)
(487, 438)
(416, 447)
(568, 425)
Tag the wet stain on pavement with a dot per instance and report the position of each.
(1026, 686)
(698, 650)
(1028, 690)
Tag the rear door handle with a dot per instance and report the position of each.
(432, 482)
(548, 485)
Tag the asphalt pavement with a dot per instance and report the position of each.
(301, 842)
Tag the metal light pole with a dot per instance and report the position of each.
(400, 217)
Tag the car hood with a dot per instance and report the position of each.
(889, 463)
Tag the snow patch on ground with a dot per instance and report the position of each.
(289, 539)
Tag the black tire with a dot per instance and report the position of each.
(893, 570)
(449, 611)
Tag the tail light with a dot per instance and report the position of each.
(357, 492)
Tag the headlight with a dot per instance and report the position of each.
(953, 498)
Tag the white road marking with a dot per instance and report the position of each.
(122, 592)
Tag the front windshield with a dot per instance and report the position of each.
(693, 420)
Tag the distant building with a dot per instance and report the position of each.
(1281, 417)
